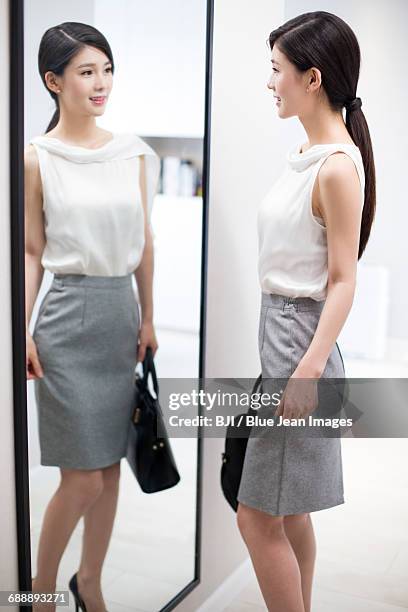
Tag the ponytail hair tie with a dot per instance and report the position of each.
(353, 105)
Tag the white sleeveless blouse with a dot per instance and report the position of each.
(93, 213)
(292, 240)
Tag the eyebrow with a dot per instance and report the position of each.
(90, 64)
(275, 62)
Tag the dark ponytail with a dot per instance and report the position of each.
(325, 41)
(59, 45)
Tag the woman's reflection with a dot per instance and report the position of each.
(88, 200)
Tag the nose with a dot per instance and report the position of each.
(269, 84)
(101, 81)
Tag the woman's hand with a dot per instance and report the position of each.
(147, 338)
(300, 397)
(33, 366)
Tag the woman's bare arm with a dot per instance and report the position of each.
(144, 271)
(340, 201)
(144, 277)
(34, 229)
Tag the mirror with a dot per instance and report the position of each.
(82, 281)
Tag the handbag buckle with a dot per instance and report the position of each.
(136, 415)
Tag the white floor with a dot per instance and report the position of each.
(362, 545)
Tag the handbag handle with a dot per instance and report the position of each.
(148, 368)
(257, 383)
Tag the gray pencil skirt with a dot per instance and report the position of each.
(287, 470)
(86, 335)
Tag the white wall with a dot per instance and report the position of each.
(244, 162)
(247, 155)
(160, 67)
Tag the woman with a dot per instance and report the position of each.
(313, 226)
(88, 203)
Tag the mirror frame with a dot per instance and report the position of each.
(16, 102)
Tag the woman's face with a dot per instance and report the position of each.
(288, 85)
(88, 75)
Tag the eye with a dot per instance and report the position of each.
(274, 70)
(89, 71)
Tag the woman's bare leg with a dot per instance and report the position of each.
(300, 533)
(77, 490)
(272, 556)
(98, 525)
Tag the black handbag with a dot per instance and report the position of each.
(234, 454)
(149, 452)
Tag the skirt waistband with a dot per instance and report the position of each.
(283, 302)
(86, 280)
